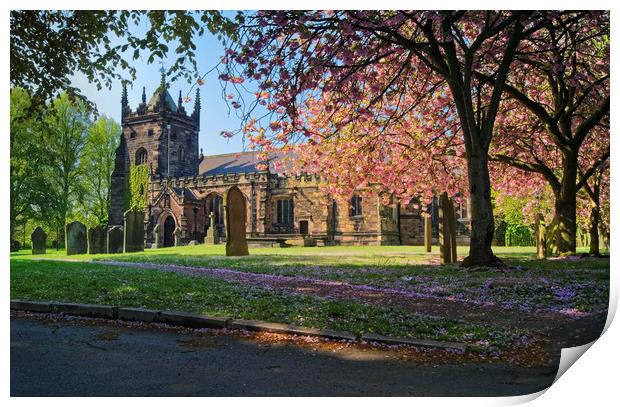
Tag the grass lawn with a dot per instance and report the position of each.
(554, 285)
(563, 285)
(114, 285)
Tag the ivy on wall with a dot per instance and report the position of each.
(138, 186)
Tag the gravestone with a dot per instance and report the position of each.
(134, 231)
(428, 232)
(445, 235)
(177, 237)
(97, 240)
(115, 239)
(155, 244)
(75, 238)
(541, 238)
(452, 218)
(15, 246)
(234, 205)
(38, 238)
(211, 237)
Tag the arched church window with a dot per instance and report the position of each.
(182, 154)
(355, 207)
(216, 205)
(141, 156)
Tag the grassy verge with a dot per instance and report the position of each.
(111, 285)
(554, 285)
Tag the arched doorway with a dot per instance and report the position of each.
(169, 226)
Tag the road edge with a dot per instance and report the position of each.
(190, 320)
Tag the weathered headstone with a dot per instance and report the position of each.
(211, 237)
(428, 232)
(97, 240)
(155, 244)
(38, 238)
(134, 231)
(445, 238)
(75, 238)
(234, 205)
(541, 238)
(15, 246)
(452, 214)
(115, 239)
(177, 237)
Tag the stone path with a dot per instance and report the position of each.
(423, 304)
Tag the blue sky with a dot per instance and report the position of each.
(215, 116)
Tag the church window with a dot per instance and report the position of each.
(355, 206)
(150, 132)
(217, 207)
(285, 211)
(141, 156)
(182, 154)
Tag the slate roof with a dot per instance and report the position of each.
(184, 191)
(155, 99)
(234, 163)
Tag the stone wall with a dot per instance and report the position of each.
(411, 226)
(149, 132)
(201, 187)
(378, 224)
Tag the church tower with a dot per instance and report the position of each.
(160, 134)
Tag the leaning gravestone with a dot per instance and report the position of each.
(115, 239)
(445, 230)
(452, 225)
(75, 238)
(97, 240)
(236, 243)
(134, 231)
(38, 238)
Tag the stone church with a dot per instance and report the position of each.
(185, 187)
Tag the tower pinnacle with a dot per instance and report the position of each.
(196, 113)
(124, 101)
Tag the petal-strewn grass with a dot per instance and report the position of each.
(560, 285)
(113, 285)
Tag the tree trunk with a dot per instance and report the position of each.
(595, 220)
(482, 225)
(565, 219)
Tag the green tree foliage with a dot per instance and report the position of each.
(138, 186)
(512, 223)
(96, 165)
(49, 46)
(31, 194)
(67, 130)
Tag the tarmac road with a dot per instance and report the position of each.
(62, 359)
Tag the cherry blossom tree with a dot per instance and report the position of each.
(596, 187)
(372, 71)
(555, 123)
